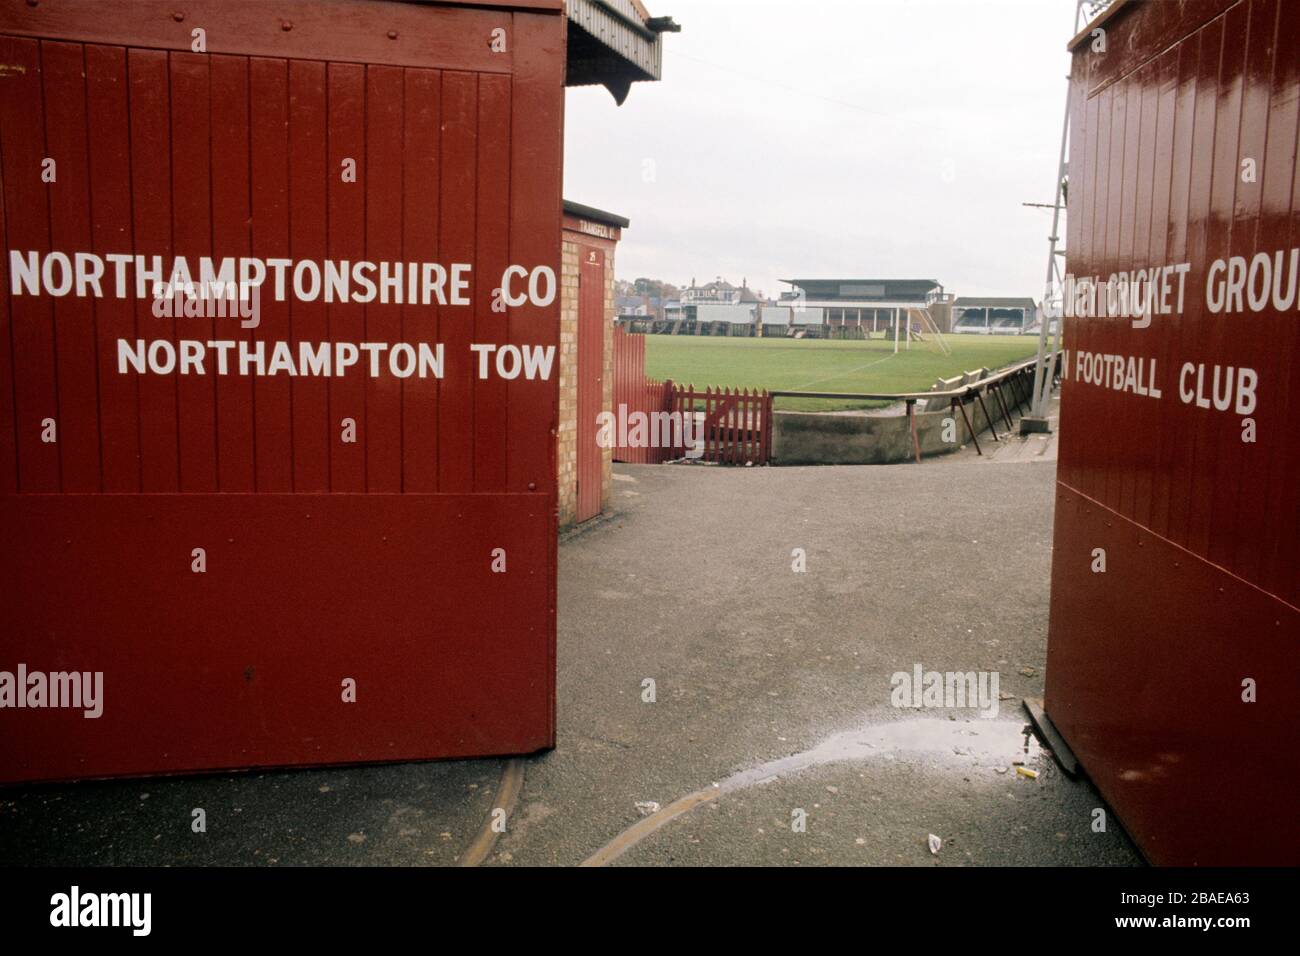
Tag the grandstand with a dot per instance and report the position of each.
(997, 316)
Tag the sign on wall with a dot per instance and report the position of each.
(278, 384)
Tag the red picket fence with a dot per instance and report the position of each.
(737, 422)
(634, 393)
(650, 416)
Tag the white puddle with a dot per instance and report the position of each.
(928, 740)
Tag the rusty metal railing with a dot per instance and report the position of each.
(1016, 379)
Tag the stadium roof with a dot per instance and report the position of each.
(874, 289)
(975, 302)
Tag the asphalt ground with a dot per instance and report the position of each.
(772, 700)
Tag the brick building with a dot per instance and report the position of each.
(611, 43)
(586, 359)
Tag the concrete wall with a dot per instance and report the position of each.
(834, 438)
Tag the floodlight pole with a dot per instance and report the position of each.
(1036, 420)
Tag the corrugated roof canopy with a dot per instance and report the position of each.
(614, 43)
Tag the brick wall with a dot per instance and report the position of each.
(566, 455)
(567, 437)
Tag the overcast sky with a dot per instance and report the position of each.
(837, 139)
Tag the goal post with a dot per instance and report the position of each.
(929, 328)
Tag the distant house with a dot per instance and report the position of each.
(638, 306)
(718, 292)
(643, 299)
(717, 301)
(993, 316)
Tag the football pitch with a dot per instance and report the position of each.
(818, 365)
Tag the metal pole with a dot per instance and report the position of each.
(1002, 403)
(1040, 407)
(1037, 419)
(961, 407)
(1056, 350)
(911, 420)
(993, 426)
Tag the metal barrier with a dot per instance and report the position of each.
(1017, 380)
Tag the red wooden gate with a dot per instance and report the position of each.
(655, 419)
(736, 423)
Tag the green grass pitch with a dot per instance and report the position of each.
(817, 365)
